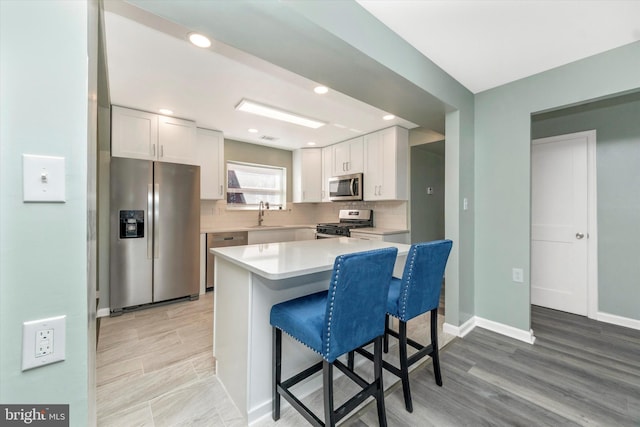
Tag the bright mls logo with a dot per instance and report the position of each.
(34, 415)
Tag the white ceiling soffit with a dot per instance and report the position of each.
(153, 66)
(485, 44)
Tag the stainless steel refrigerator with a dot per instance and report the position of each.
(155, 232)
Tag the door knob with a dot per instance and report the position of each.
(579, 236)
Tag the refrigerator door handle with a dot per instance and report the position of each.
(149, 221)
(156, 217)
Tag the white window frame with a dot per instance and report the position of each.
(282, 191)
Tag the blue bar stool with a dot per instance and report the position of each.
(416, 293)
(334, 322)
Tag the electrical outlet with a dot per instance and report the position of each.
(43, 342)
(517, 275)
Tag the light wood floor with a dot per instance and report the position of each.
(155, 368)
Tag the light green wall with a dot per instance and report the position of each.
(427, 211)
(261, 155)
(618, 186)
(43, 247)
(502, 170)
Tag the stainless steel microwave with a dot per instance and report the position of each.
(345, 187)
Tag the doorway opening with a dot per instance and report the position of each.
(427, 196)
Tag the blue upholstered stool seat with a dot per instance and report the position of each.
(302, 318)
(349, 315)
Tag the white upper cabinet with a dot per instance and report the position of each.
(134, 134)
(386, 164)
(210, 154)
(141, 135)
(348, 157)
(327, 157)
(177, 140)
(307, 175)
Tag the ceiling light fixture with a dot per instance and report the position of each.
(199, 40)
(252, 130)
(388, 117)
(321, 90)
(311, 143)
(165, 111)
(274, 113)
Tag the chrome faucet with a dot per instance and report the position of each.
(261, 207)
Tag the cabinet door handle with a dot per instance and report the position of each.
(221, 190)
(154, 150)
(162, 151)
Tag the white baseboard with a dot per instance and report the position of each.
(510, 331)
(618, 320)
(459, 331)
(103, 312)
(500, 328)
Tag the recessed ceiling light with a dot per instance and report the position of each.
(199, 40)
(311, 143)
(275, 113)
(252, 130)
(321, 90)
(165, 111)
(388, 117)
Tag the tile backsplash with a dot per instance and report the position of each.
(387, 214)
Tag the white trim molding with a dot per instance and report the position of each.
(618, 320)
(103, 312)
(459, 331)
(500, 328)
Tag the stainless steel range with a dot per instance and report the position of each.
(349, 218)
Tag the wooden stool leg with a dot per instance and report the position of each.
(404, 366)
(434, 344)
(327, 380)
(377, 367)
(386, 335)
(351, 359)
(277, 373)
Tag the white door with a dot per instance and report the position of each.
(560, 181)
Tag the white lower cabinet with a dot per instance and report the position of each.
(393, 238)
(277, 234)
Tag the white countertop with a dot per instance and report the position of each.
(276, 261)
(379, 231)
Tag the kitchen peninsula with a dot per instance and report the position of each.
(248, 281)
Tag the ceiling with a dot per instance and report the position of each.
(482, 44)
(153, 68)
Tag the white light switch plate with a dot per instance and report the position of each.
(43, 178)
(43, 342)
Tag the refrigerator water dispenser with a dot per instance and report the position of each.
(131, 224)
